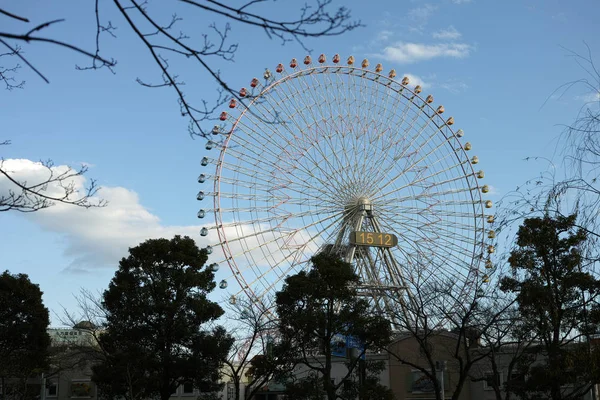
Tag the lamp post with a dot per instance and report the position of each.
(353, 354)
(43, 394)
(440, 367)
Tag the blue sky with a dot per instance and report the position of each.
(494, 65)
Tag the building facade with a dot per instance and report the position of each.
(70, 377)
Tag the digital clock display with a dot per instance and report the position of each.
(375, 239)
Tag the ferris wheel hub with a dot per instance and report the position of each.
(363, 201)
(359, 206)
(364, 204)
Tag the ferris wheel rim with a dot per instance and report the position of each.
(477, 199)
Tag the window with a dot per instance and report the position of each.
(348, 384)
(517, 377)
(492, 380)
(51, 388)
(81, 388)
(421, 383)
(188, 388)
(230, 391)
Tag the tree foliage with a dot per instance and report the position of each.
(557, 303)
(156, 314)
(24, 340)
(318, 307)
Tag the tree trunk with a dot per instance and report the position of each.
(236, 387)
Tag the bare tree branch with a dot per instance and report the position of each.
(7, 73)
(14, 16)
(314, 20)
(19, 195)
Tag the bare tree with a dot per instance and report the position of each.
(7, 73)
(505, 345)
(447, 326)
(52, 185)
(571, 185)
(168, 49)
(90, 319)
(156, 33)
(255, 333)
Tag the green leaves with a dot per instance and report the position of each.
(558, 304)
(156, 308)
(314, 308)
(24, 319)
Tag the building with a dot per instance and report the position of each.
(70, 375)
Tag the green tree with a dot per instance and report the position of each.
(557, 302)
(24, 340)
(318, 307)
(157, 309)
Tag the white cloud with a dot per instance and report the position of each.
(94, 237)
(591, 97)
(447, 34)
(33, 173)
(461, 1)
(99, 237)
(417, 18)
(454, 86)
(422, 13)
(407, 53)
(384, 35)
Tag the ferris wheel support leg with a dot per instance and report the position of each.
(396, 270)
(379, 295)
(357, 226)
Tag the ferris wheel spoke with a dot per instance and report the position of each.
(270, 219)
(448, 237)
(431, 232)
(324, 161)
(311, 239)
(427, 193)
(290, 149)
(299, 166)
(331, 152)
(402, 211)
(255, 175)
(417, 150)
(415, 163)
(362, 116)
(433, 220)
(292, 232)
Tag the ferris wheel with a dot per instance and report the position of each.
(343, 158)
